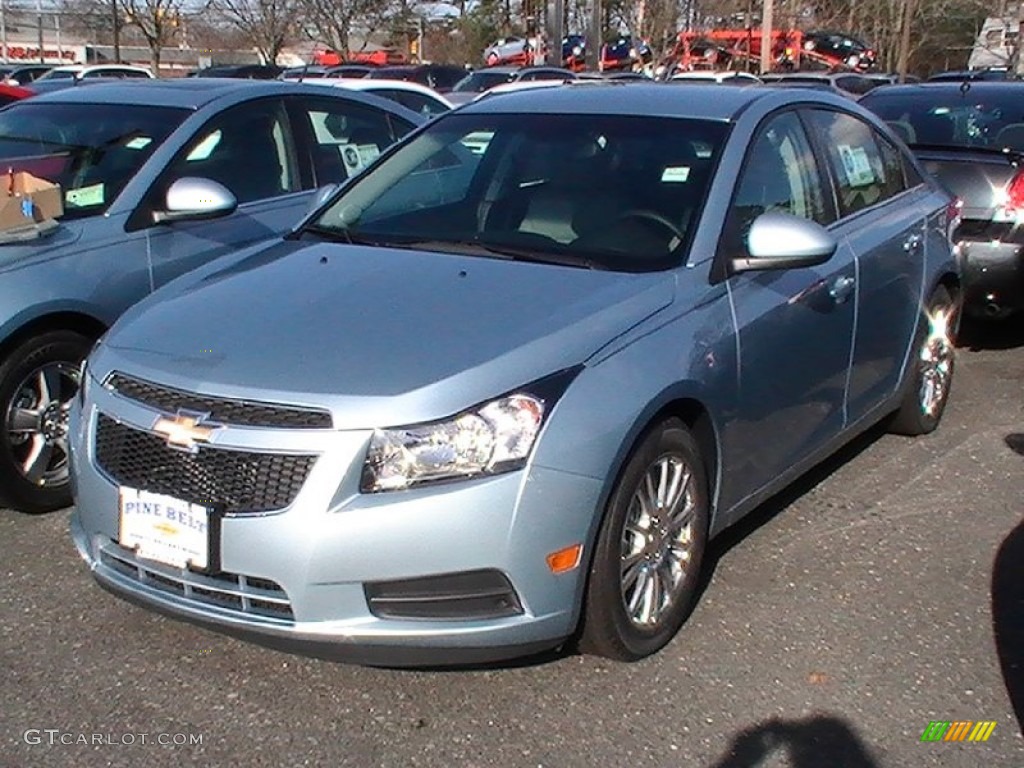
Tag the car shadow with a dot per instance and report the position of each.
(977, 334)
(815, 742)
(1008, 606)
(736, 533)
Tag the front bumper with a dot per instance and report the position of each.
(299, 578)
(993, 275)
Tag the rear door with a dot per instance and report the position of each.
(882, 220)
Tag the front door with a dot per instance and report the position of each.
(795, 325)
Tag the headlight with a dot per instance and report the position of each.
(487, 440)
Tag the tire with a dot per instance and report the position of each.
(38, 382)
(927, 387)
(619, 621)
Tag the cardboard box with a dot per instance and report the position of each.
(26, 200)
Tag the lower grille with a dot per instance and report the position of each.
(464, 596)
(228, 591)
(243, 481)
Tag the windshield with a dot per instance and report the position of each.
(90, 150)
(951, 118)
(609, 192)
(480, 81)
(59, 74)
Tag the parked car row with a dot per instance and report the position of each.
(327, 335)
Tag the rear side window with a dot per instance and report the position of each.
(865, 174)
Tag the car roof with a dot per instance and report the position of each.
(188, 93)
(699, 101)
(948, 86)
(502, 70)
(366, 84)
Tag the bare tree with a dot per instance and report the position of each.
(156, 20)
(267, 24)
(333, 21)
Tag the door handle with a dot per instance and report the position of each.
(841, 289)
(912, 243)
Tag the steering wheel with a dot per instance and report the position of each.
(653, 216)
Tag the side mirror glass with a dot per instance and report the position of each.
(191, 198)
(779, 240)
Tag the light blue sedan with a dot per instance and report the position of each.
(502, 390)
(155, 178)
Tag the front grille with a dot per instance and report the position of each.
(227, 591)
(243, 413)
(242, 481)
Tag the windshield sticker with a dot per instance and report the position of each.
(856, 165)
(350, 157)
(676, 174)
(140, 142)
(85, 196)
(368, 153)
(205, 147)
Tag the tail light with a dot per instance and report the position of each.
(1015, 195)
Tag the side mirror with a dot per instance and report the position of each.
(783, 241)
(192, 199)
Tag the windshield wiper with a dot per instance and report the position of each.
(492, 250)
(333, 234)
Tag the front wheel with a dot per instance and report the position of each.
(38, 382)
(646, 565)
(930, 377)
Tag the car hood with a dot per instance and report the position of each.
(15, 253)
(380, 336)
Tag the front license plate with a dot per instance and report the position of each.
(165, 529)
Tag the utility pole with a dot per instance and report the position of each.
(39, 23)
(766, 36)
(117, 33)
(554, 31)
(1019, 68)
(594, 38)
(3, 27)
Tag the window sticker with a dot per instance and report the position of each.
(368, 153)
(205, 147)
(139, 142)
(856, 165)
(352, 158)
(676, 174)
(83, 197)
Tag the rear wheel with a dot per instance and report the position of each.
(646, 564)
(38, 382)
(931, 376)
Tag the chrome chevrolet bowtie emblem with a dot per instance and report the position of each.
(185, 430)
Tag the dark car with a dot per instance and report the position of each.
(972, 139)
(840, 47)
(23, 74)
(243, 71)
(441, 77)
(487, 78)
(971, 75)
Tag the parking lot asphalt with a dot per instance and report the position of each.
(882, 592)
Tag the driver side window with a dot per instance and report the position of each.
(247, 148)
(780, 174)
